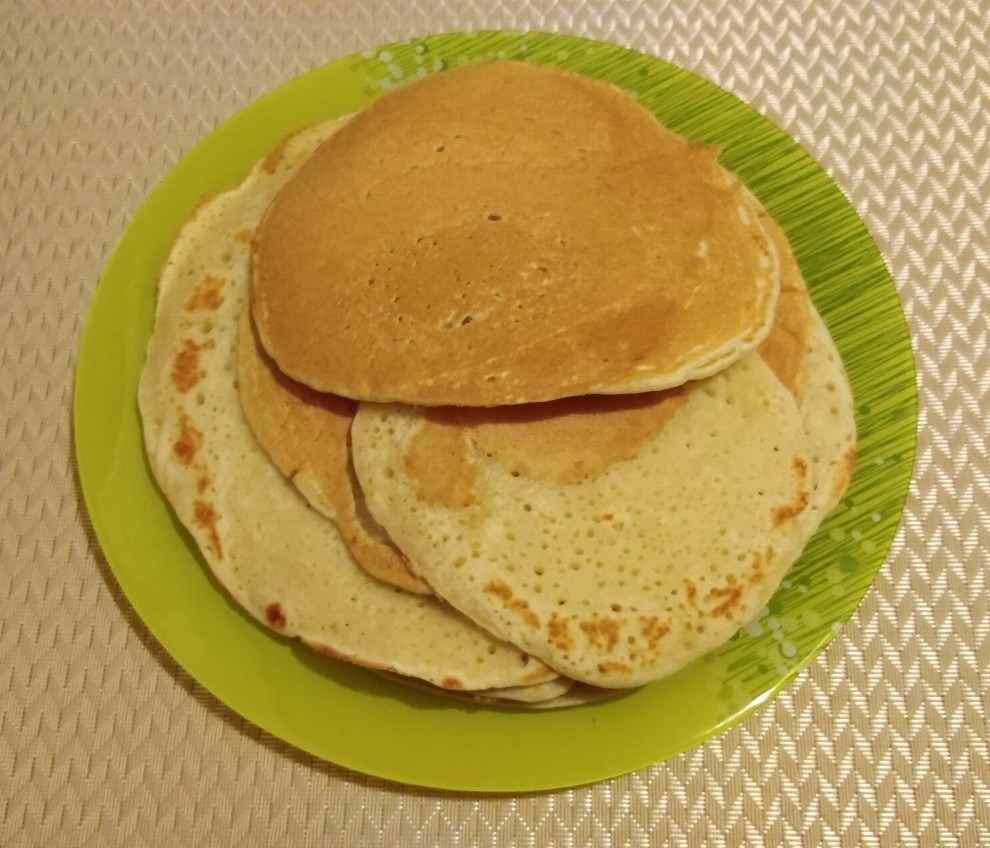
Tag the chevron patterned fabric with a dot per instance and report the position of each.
(105, 740)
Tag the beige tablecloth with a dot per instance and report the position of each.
(105, 741)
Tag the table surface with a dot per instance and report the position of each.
(104, 740)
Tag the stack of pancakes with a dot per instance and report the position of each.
(497, 384)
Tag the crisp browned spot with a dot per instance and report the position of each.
(540, 674)
(728, 597)
(721, 600)
(207, 294)
(559, 631)
(203, 483)
(188, 443)
(451, 683)
(518, 606)
(498, 589)
(186, 371)
(844, 473)
(653, 630)
(613, 667)
(275, 615)
(206, 517)
(244, 236)
(603, 633)
(761, 561)
(692, 593)
(783, 514)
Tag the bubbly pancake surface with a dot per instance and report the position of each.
(506, 233)
(684, 517)
(283, 562)
(829, 418)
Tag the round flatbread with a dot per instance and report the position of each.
(616, 538)
(282, 561)
(505, 233)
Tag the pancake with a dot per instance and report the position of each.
(506, 233)
(307, 435)
(574, 695)
(280, 560)
(614, 538)
(785, 347)
(802, 355)
(552, 693)
(829, 415)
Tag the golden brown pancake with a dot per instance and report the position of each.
(506, 233)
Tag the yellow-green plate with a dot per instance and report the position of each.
(354, 718)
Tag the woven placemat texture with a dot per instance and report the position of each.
(105, 741)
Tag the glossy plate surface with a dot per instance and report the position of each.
(353, 717)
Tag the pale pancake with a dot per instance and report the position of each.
(803, 356)
(552, 693)
(307, 435)
(575, 695)
(282, 561)
(830, 420)
(615, 538)
(505, 233)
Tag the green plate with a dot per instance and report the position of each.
(353, 717)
